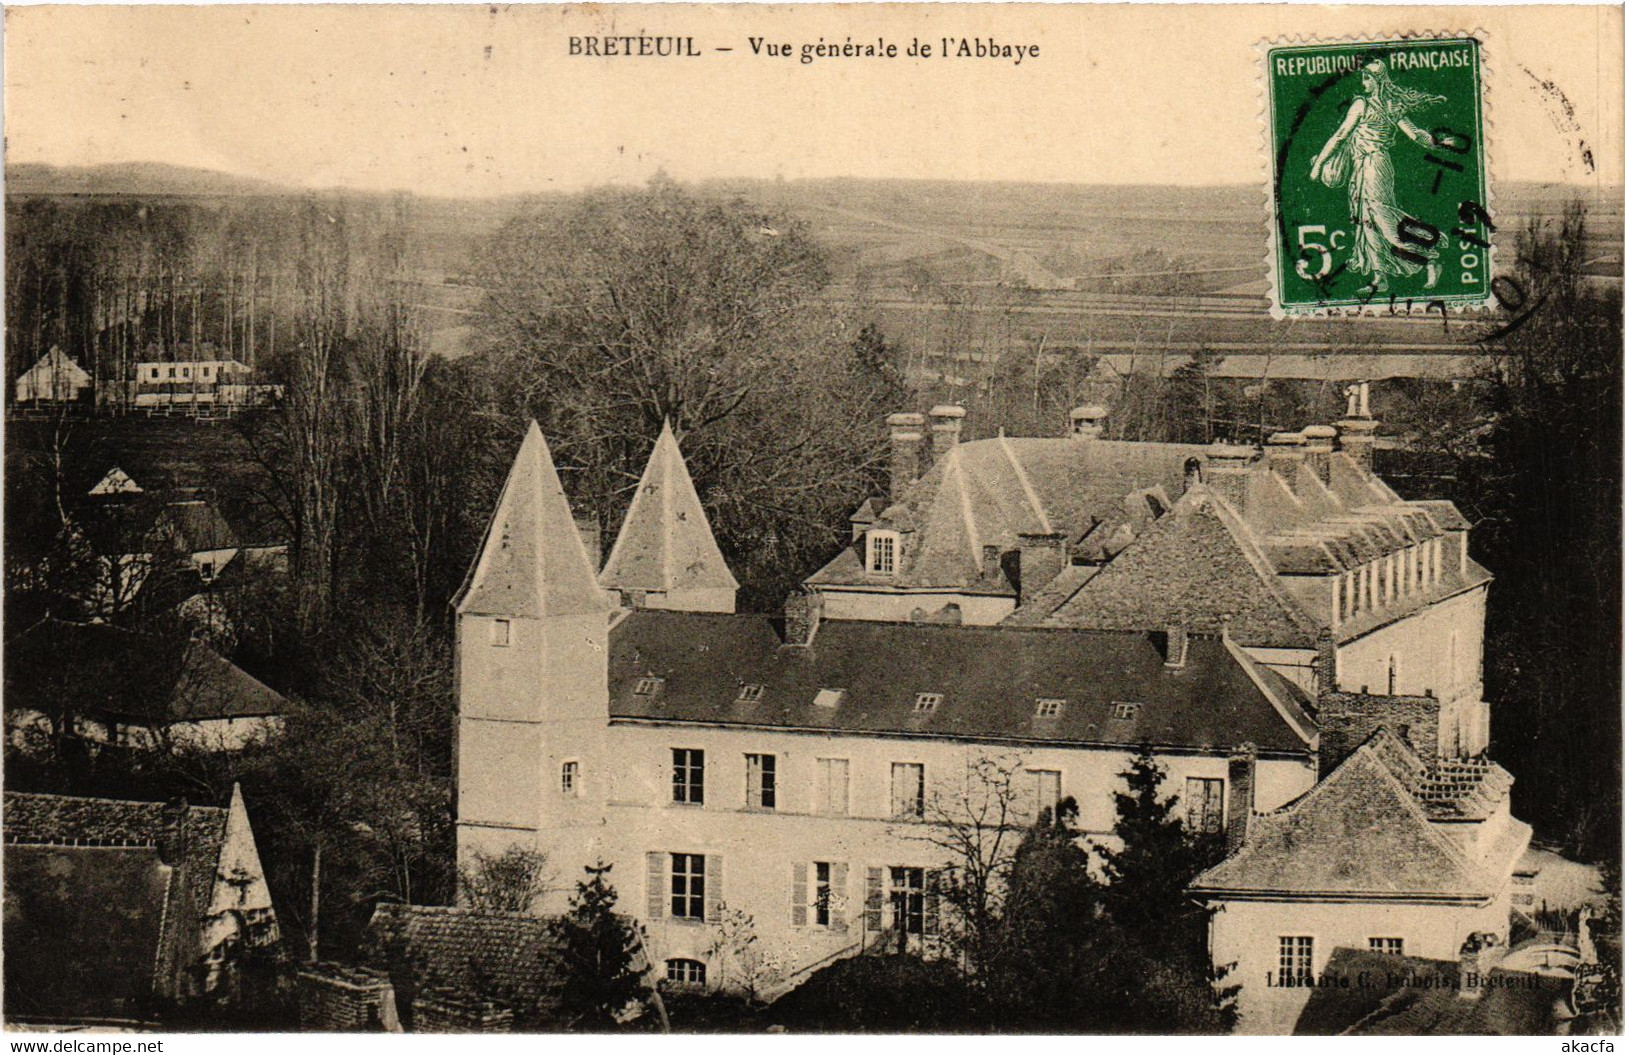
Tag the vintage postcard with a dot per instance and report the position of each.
(927, 519)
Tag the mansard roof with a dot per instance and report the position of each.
(1368, 831)
(532, 562)
(990, 679)
(665, 541)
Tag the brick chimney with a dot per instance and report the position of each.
(1177, 648)
(1284, 453)
(1087, 422)
(946, 421)
(1226, 473)
(1324, 665)
(907, 443)
(991, 562)
(1357, 432)
(1243, 796)
(1317, 450)
(803, 611)
(1042, 556)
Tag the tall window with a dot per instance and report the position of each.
(907, 898)
(832, 787)
(688, 776)
(1391, 945)
(570, 778)
(907, 789)
(501, 631)
(822, 889)
(883, 552)
(1204, 804)
(1297, 960)
(1046, 788)
(761, 782)
(688, 886)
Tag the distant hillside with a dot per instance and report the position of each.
(134, 179)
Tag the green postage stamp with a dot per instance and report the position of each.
(1380, 188)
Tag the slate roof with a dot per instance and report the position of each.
(532, 561)
(508, 957)
(987, 492)
(665, 541)
(1366, 830)
(990, 679)
(105, 902)
(1511, 1003)
(117, 673)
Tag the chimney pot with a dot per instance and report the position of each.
(946, 421)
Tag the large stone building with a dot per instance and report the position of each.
(1204, 602)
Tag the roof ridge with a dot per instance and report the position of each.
(1026, 484)
(1236, 526)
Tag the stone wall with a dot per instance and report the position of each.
(338, 998)
(448, 1011)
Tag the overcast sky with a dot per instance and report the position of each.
(482, 100)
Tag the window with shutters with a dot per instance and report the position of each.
(688, 776)
(688, 886)
(1204, 804)
(833, 779)
(821, 892)
(908, 790)
(686, 973)
(761, 782)
(1389, 945)
(1297, 962)
(1046, 784)
(818, 894)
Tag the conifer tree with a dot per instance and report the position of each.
(599, 950)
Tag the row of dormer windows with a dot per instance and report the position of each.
(924, 702)
(1383, 582)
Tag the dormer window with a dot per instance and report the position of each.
(829, 697)
(648, 686)
(884, 547)
(1049, 707)
(926, 702)
(1126, 712)
(749, 694)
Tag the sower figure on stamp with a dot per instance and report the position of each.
(1359, 153)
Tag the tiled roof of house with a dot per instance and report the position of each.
(116, 673)
(1197, 565)
(1367, 830)
(987, 492)
(665, 542)
(106, 902)
(508, 957)
(532, 561)
(195, 525)
(990, 679)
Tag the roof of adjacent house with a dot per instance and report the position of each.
(665, 541)
(532, 561)
(121, 674)
(988, 492)
(195, 526)
(1368, 830)
(508, 957)
(1393, 995)
(105, 902)
(989, 678)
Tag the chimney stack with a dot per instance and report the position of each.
(991, 562)
(946, 421)
(1325, 663)
(803, 611)
(1088, 422)
(1317, 450)
(1042, 558)
(1479, 955)
(1226, 473)
(1357, 432)
(1243, 796)
(907, 439)
(1284, 453)
(1178, 647)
